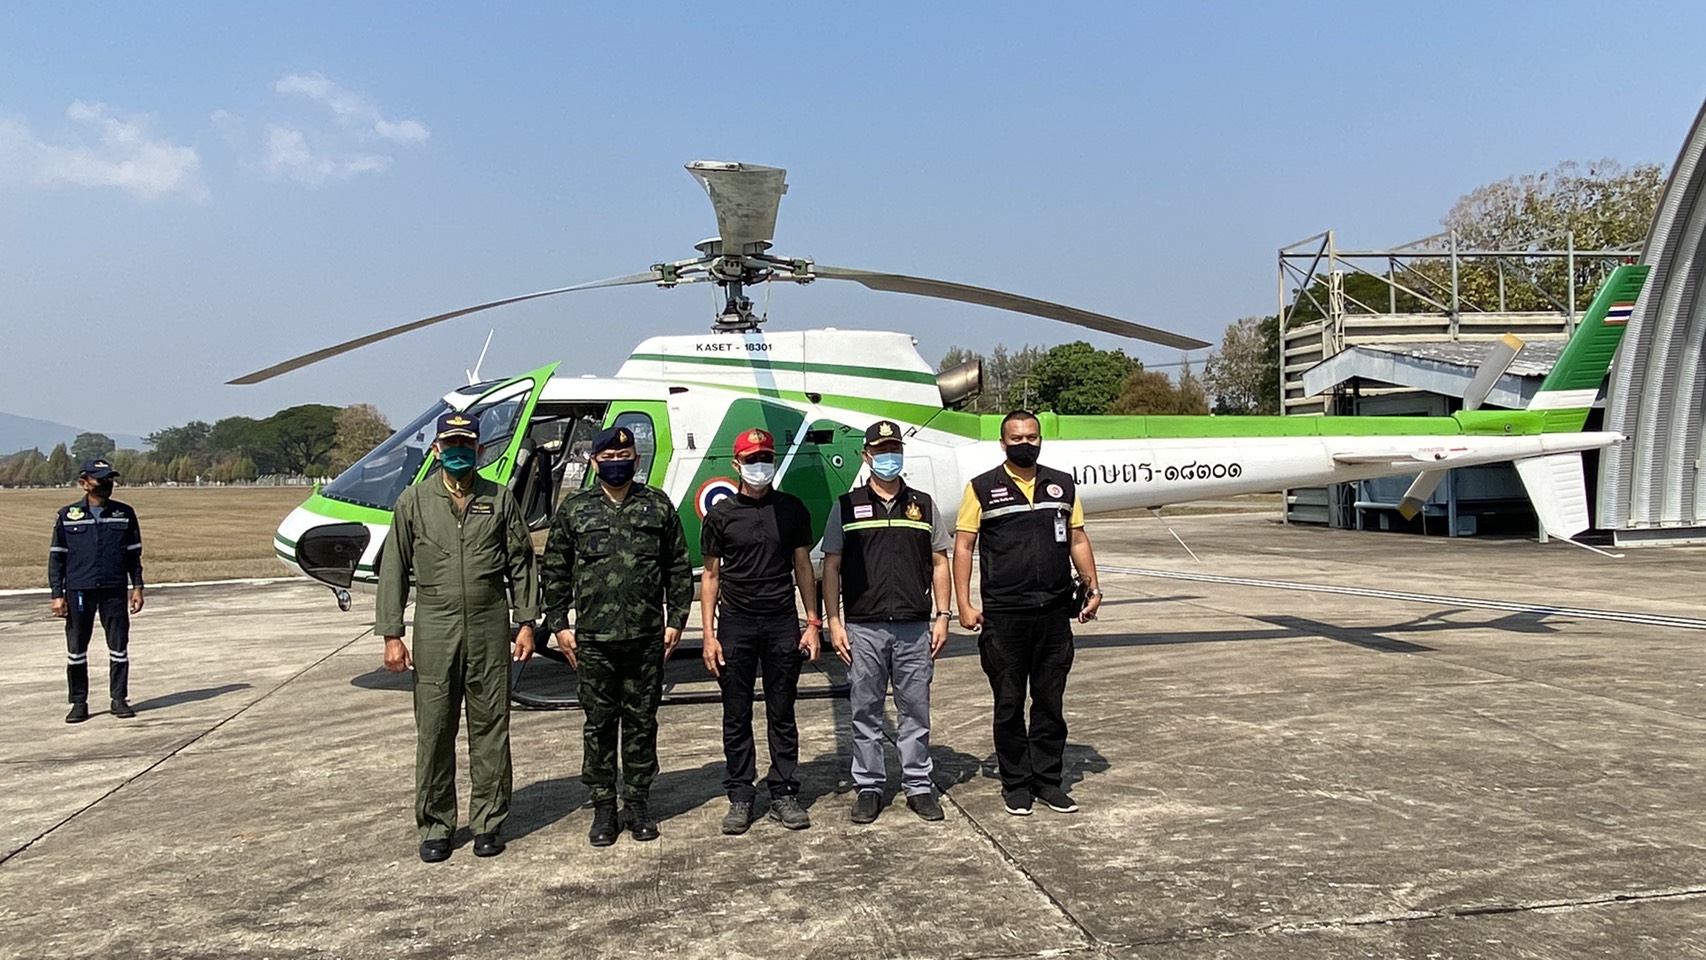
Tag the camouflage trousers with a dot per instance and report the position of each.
(621, 684)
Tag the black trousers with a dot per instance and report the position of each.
(750, 643)
(1033, 650)
(110, 605)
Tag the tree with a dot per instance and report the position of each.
(92, 446)
(359, 428)
(171, 443)
(1076, 378)
(18, 469)
(302, 437)
(1243, 372)
(1153, 392)
(59, 467)
(1595, 206)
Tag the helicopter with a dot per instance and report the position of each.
(687, 397)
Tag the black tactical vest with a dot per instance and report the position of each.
(1026, 567)
(885, 557)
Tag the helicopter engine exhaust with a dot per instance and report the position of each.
(960, 384)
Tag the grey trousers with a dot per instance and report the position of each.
(885, 652)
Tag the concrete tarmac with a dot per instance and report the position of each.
(1507, 767)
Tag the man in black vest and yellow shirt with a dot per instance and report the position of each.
(1028, 526)
(885, 552)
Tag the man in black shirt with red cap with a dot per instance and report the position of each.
(757, 550)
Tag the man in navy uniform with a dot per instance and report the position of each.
(96, 551)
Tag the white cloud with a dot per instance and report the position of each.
(352, 109)
(102, 149)
(288, 154)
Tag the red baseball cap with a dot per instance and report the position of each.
(753, 440)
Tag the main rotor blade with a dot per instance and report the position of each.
(983, 296)
(651, 276)
(745, 197)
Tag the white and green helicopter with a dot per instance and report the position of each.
(687, 397)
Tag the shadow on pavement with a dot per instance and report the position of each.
(188, 696)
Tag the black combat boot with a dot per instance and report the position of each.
(640, 821)
(605, 825)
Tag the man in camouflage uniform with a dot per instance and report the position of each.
(617, 556)
(462, 540)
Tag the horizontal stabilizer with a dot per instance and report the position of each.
(1557, 490)
(1433, 455)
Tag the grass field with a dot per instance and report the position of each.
(188, 533)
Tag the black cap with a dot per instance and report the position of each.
(881, 432)
(613, 438)
(454, 424)
(97, 470)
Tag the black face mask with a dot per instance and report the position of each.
(615, 473)
(103, 489)
(1023, 455)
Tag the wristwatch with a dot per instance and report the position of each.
(1093, 593)
(943, 613)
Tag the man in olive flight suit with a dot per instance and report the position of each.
(617, 556)
(462, 540)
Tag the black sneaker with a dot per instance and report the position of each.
(435, 851)
(1056, 799)
(640, 821)
(1018, 802)
(866, 806)
(122, 710)
(925, 805)
(738, 818)
(605, 825)
(79, 713)
(788, 812)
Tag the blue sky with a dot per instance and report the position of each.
(192, 191)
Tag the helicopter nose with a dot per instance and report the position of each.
(330, 552)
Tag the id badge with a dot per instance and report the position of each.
(1060, 528)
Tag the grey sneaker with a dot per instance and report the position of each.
(1056, 799)
(925, 805)
(788, 812)
(866, 806)
(738, 818)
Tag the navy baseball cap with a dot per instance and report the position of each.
(882, 432)
(613, 438)
(97, 470)
(455, 424)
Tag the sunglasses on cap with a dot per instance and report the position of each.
(759, 456)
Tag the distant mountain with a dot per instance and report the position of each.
(21, 433)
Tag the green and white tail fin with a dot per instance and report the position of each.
(1569, 391)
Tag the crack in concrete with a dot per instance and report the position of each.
(181, 748)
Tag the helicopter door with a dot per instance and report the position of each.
(649, 422)
(504, 413)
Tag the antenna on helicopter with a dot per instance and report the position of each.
(474, 374)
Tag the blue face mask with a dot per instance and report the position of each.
(887, 466)
(457, 460)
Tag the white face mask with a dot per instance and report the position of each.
(758, 474)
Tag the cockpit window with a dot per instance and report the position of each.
(379, 478)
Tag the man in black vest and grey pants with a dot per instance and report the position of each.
(885, 551)
(1028, 526)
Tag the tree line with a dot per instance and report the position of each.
(311, 439)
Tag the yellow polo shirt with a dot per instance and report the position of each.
(971, 512)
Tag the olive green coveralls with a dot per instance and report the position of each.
(469, 571)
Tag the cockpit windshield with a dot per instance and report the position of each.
(379, 478)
